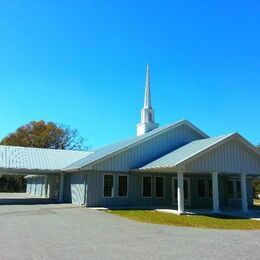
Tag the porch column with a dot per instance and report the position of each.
(180, 192)
(61, 190)
(215, 192)
(244, 206)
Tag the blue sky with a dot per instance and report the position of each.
(82, 63)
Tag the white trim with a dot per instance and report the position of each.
(113, 187)
(187, 202)
(163, 177)
(147, 197)
(127, 192)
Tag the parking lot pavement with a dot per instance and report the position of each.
(63, 231)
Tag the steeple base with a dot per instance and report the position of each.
(146, 127)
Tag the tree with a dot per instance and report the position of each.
(45, 135)
(42, 135)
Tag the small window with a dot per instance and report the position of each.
(230, 189)
(108, 185)
(210, 188)
(122, 185)
(201, 188)
(150, 117)
(159, 187)
(147, 186)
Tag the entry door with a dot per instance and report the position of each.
(78, 188)
(186, 185)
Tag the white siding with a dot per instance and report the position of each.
(150, 150)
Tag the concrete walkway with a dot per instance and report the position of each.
(63, 231)
(252, 214)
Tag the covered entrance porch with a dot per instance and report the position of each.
(211, 191)
(213, 173)
(41, 187)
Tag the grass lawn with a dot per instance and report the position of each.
(216, 221)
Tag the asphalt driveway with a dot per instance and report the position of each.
(62, 231)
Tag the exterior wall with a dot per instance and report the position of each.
(95, 191)
(232, 157)
(150, 150)
(135, 199)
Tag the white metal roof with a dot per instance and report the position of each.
(25, 158)
(114, 148)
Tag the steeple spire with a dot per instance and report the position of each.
(147, 113)
(147, 94)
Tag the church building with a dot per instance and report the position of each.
(176, 165)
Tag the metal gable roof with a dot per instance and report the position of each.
(18, 158)
(185, 152)
(109, 150)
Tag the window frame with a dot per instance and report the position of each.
(127, 186)
(147, 197)
(113, 187)
(208, 188)
(159, 197)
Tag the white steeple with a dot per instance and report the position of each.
(147, 113)
(147, 94)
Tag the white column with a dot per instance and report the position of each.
(215, 192)
(61, 187)
(180, 193)
(244, 206)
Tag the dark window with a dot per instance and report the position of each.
(147, 186)
(210, 188)
(186, 190)
(201, 188)
(122, 185)
(108, 185)
(238, 189)
(175, 188)
(230, 189)
(159, 186)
